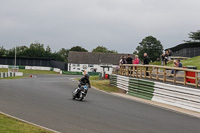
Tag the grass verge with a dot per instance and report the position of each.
(195, 61)
(37, 71)
(3, 70)
(17, 77)
(10, 125)
(102, 84)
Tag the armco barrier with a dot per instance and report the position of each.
(179, 96)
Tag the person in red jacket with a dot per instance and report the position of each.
(136, 61)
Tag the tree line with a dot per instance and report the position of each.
(149, 45)
(37, 50)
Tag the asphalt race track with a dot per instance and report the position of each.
(47, 101)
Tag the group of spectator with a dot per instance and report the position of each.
(166, 57)
(129, 60)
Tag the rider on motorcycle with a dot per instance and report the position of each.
(83, 81)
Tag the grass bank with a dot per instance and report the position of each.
(195, 61)
(10, 125)
(104, 85)
(37, 71)
(17, 77)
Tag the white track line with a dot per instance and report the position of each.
(29, 122)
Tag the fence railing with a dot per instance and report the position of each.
(163, 73)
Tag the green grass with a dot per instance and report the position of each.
(195, 61)
(17, 77)
(10, 125)
(155, 63)
(31, 71)
(102, 84)
(3, 70)
(37, 71)
(94, 77)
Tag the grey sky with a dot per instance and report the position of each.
(116, 24)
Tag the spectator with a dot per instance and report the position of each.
(136, 61)
(177, 64)
(124, 60)
(117, 69)
(129, 59)
(121, 60)
(166, 57)
(146, 62)
(163, 58)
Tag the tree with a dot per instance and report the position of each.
(194, 36)
(2, 51)
(64, 53)
(103, 50)
(151, 46)
(48, 53)
(78, 48)
(48, 49)
(36, 50)
(135, 52)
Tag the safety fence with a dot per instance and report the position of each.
(33, 68)
(179, 96)
(10, 74)
(45, 69)
(179, 75)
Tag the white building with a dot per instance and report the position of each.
(93, 62)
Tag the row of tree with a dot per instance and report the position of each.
(149, 45)
(37, 50)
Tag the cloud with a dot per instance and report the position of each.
(116, 24)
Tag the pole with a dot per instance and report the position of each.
(15, 55)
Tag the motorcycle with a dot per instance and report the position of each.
(80, 93)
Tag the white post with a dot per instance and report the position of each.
(15, 55)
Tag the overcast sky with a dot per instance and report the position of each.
(116, 24)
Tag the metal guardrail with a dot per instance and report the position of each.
(162, 73)
(184, 97)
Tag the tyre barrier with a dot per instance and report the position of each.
(183, 97)
(10, 74)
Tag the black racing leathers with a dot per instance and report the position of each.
(84, 81)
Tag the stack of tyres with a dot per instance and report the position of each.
(113, 80)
